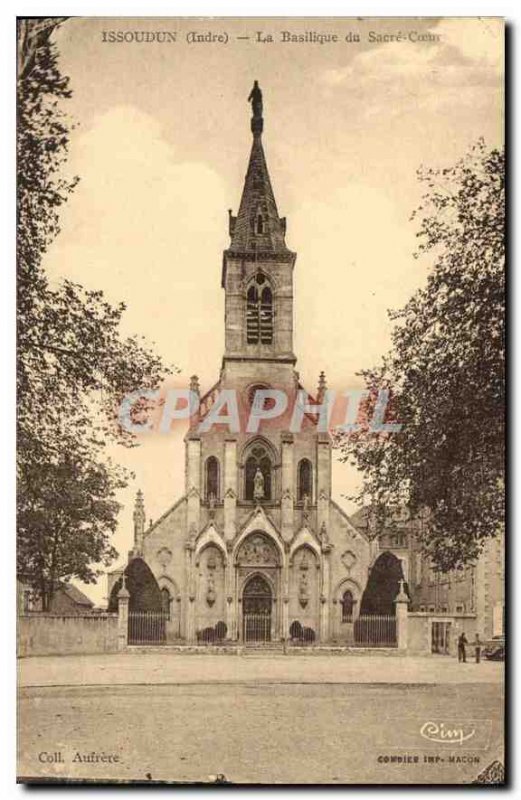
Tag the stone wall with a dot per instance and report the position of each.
(48, 634)
(419, 630)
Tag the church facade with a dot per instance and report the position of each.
(256, 548)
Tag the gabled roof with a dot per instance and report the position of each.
(76, 595)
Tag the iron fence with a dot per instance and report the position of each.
(375, 630)
(147, 627)
(256, 627)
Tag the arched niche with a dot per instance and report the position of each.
(142, 586)
(211, 589)
(383, 585)
(304, 588)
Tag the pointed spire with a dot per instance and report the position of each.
(139, 521)
(322, 387)
(257, 227)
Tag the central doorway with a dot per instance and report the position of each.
(257, 601)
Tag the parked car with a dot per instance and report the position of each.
(494, 649)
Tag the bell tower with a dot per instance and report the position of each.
(257, 273)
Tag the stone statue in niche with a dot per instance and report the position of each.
(211, 594)
(324, 536)
(258, 486)
(212, 559)
(211, 564)
(211, 505)
(303, 592)
(305, 506)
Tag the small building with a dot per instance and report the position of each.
(67, 600)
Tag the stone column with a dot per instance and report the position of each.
(285, 595)
(193, 483)
(287, 481)
(229, 590)
(190, 583)
(323, 482)
(123, 601)
(325, 594)
(401, 602)
(230, 488)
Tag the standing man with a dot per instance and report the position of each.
(477, 648)
(462, 653)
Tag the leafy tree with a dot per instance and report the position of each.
(73, 366)
(446, 371)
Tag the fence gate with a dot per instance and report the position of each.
(440, 637)
(256, 627)
(147, 627)
(375, 630)
(256, 610)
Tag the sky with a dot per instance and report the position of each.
(161, 145)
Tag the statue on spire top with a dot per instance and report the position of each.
(255, 98)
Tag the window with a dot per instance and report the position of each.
(258, 459)
(347, 606)
(459, 609)
(259, 312)
(165, 602)
(212, 478)
(260, 224)
(305, 484)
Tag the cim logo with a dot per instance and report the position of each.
(444, 734)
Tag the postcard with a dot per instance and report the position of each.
(261, 400)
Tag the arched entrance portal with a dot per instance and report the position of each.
(257, 601)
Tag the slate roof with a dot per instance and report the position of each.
(76, 595)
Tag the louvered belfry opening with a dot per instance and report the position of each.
(212, 478)
(252, 316)
(305, 485)
(259, 312)
(266, 316)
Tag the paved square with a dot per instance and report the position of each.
(293, 719)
